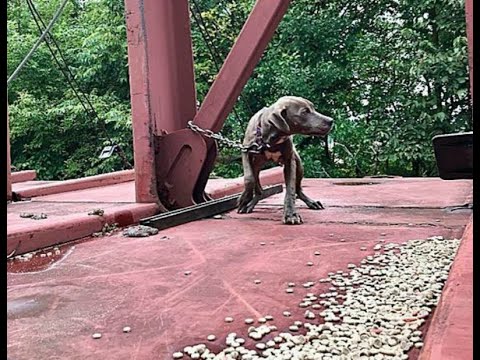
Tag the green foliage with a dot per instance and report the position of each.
(392, 73)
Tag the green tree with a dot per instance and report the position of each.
(392, 73)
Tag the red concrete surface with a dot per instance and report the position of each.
(68, 217)
(77, 184)
(107, 283)
(25, 175)
(450, 336)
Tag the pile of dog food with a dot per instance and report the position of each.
(374, 311)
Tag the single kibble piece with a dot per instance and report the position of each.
(97, 336)
(249, 321)
(257, 281)
(228, 319)
(211, 337)
(177, 355)
(127, 329)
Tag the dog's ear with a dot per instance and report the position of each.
(274, 124)
(278, 120)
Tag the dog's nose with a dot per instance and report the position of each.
(328, 121)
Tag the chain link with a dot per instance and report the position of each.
(254, 147)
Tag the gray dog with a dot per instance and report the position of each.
(269, 132)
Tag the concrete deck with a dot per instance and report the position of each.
(67, 204)
(102, 284)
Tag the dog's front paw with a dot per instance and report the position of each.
(292, 219)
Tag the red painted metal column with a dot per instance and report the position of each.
(469, 20)
(162, 84)
(9, 169)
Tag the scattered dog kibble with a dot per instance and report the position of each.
(388, 297)
(317, 253)
(268, 317)
(291, 284)
(211, 337)
(257, 281)
(33, 216)
(97, 336)
(188, 272)
(98, 212)
(262, 243)
(177, 355)
(260, 346)
(249, 321)
(229, 319)
(342, 240)
(309, 263)
(363, 248)
(217, 217)
(26, 215)
(127, 329)
(262, 320)
(289, 290)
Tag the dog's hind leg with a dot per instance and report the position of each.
(312, 204)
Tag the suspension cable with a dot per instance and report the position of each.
(37, 43)
(69, 76)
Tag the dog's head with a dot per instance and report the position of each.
(293, 115)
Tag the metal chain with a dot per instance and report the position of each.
(254, 147)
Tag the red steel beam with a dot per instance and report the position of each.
(469, 20)
(162, 84)
(238, 67)
(9, 164)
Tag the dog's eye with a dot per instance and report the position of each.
(306, 111)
